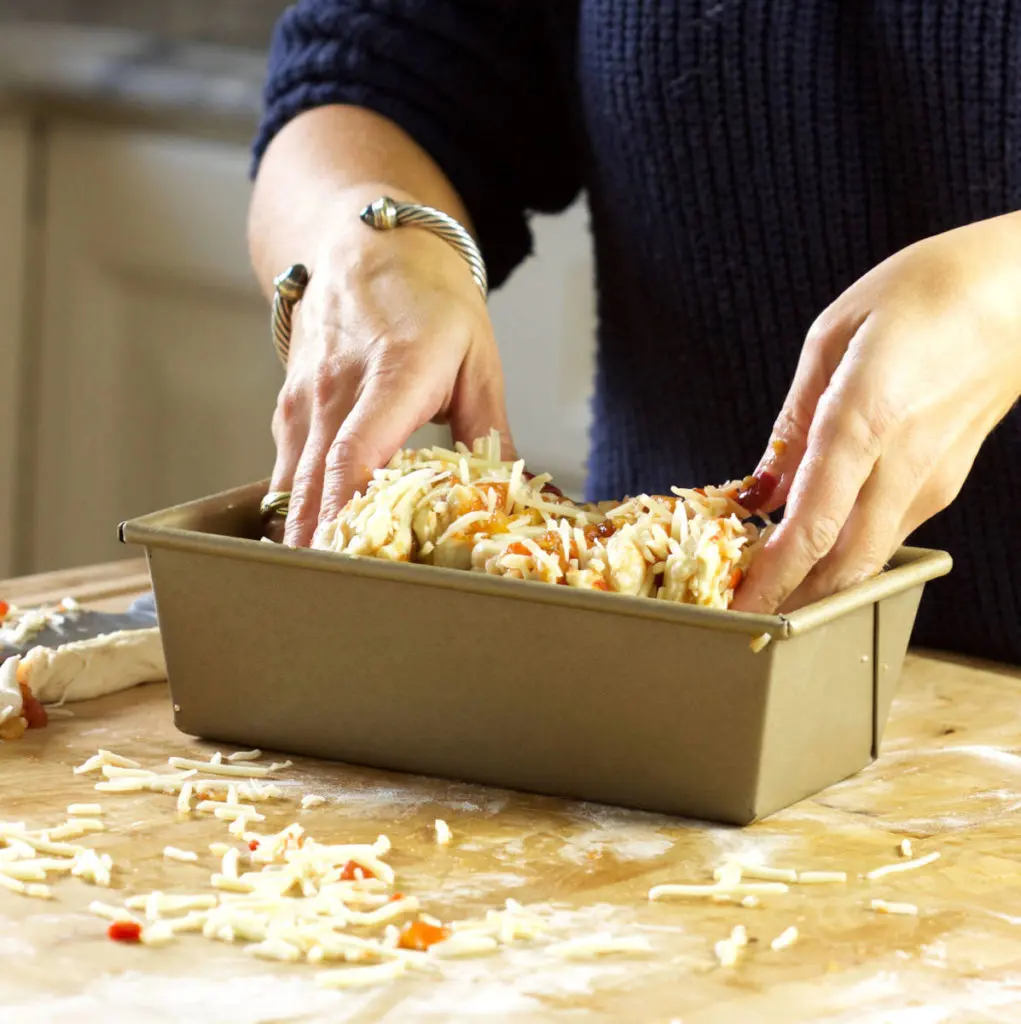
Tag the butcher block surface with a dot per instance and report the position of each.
(948, 778)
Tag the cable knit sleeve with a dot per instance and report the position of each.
(481, 85)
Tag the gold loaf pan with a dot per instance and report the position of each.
(545, 689)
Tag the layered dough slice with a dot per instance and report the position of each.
(473, 510)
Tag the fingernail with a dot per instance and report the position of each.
(761, 490)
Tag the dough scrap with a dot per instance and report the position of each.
(85, 669)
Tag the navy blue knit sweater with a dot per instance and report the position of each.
(745, 162)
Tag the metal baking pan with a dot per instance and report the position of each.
(594, 696)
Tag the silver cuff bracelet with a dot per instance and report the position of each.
(383, 215)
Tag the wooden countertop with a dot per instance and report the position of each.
(949, 778)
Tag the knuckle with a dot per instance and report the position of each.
(793, 421)
(278, 426)
(289, 402)
(920, 464)
(871, 559)
(325, 379)
(350, 463)
(861, 571)
(817, 537)
(347, 453)
(866, 563)
(391, 357)
(866, 429)
(297, 517)
(301, 496)
(884, 416)
(304, 507)
(942, 492)
(329, 376)
(821, 328)
(772, 597)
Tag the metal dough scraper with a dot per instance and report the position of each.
(64, 627)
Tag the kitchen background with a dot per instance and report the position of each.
(136, 369)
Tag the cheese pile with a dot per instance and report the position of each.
(283, 895)
(30, 859)
(470, 509)
(286, 896)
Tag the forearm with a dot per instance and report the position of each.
(321, 169)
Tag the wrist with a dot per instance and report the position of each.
(353, 248)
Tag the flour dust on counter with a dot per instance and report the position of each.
(524, 885)
(289, 897)
(286, 896)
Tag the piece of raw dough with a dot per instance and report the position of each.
(85, 669)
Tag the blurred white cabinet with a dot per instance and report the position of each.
(15, 155)
(156, 376)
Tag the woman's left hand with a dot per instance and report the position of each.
(899, 382)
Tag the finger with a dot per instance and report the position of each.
(388, 411)
(946, 482)
(901, 494)
(873, 532)
(329, 411)
(844, 445)
(290, 429)
(478, 404)
(824, 346)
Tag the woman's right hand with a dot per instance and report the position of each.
(392, 333)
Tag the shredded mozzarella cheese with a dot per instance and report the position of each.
(658, 892)
(105, 757)
(885, 907)
(248, 771)
(761, 872)
(821, 877)
(904, 865)
(785, 939)
(110, 912)
(245, 755)
(760, 643)
(728, 950)
(186, 856)
(84, 810)
(598, 945)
